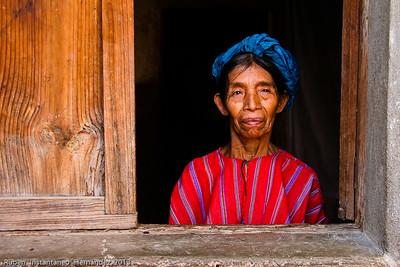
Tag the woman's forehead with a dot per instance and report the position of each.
(253, 73)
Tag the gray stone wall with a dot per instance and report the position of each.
(393, 134)
(378, 39)
(382, 203)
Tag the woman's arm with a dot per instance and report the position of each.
(187, 205)
(315, 207)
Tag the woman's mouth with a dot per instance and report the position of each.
(252, 121)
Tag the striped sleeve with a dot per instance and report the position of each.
(187, 205)
(315, 207)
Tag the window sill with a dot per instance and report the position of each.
(161, 245)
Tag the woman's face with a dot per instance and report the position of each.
(252, 101)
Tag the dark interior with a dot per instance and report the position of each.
(176, 43)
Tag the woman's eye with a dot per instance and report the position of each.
(265, 90)
(236, 92)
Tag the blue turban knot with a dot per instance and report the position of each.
(263, 45)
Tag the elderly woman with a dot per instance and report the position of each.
(250, 180)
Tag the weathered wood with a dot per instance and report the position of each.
(157, 229)
(51, 133)
(50, 206)
(362, 113)
(50, 213)
(51, 114)
(69, 222)
(317, 245)
(348, 107)
(119, 106)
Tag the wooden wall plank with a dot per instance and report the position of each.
(51, 213)
(51, 117)
(87, 222)
(348, 107)
(119, 106)
(362, 113)
(50, 206)
(353, 109)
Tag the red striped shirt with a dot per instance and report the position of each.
(273, 189)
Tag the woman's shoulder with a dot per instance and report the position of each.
(211, 155)
(204, 161)
(291, 163)
(201, 171)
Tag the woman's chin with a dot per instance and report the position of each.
(253, 134)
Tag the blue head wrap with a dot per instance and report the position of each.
(263, 45)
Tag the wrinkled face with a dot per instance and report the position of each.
(252, 102)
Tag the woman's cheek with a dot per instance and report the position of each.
(234, 108)
(270, 107)
(270, 103)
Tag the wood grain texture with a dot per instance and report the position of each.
(119, 106)
(51, 213)
(348, 108)
(361, 114)
(51, 116)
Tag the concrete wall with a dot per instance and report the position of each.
(376, 135)
(393, 134)
(382, 206)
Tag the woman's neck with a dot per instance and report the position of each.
(248, 149)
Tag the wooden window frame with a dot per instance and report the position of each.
(117, 209)
(353, 110)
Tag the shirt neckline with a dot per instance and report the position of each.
(219, 151)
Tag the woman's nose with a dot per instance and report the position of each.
(252, 102)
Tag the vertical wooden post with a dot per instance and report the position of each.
(362, 113)
(353, 108)
(119, 106)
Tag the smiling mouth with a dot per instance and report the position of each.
(252, 121)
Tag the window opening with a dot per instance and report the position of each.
(176, 120)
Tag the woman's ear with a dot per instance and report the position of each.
(220, 104)
(282, 102)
